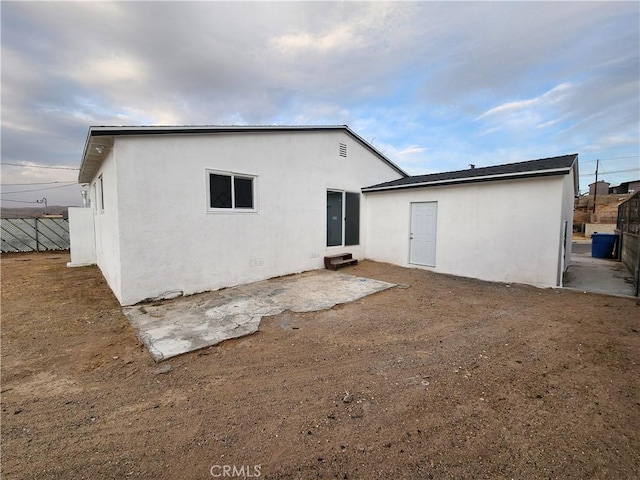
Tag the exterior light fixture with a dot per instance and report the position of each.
(44, 200)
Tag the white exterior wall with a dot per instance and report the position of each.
(503, 231)
(568, 196)
(82, 237)
(591, 228)
(107, 237)
(168, 241)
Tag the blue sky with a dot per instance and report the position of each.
(434, 86)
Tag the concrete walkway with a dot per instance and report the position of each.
(597, 275)
(185, 324)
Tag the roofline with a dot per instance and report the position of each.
(627, 182)
(484, 178)
(109, 132)
(130, 130)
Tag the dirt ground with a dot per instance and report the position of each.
(448, 378)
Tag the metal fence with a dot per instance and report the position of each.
(34, 234)
(629, 227)
(629, 215)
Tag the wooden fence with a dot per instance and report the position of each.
(34, 234)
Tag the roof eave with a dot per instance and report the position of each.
(375, 151)
(486, 178)
(96, 149)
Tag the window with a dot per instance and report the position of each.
(101, 193)
(231, 192)
(343, 218)
(352, 218)
(243, 190)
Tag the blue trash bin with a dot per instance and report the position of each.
(603, 244)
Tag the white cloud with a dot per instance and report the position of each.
(113, 71)
(510, 108)
(520, 107)
(410, 150)
(611, 141)
(338, 38)
(548, 124)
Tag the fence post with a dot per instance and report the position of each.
(37, 240)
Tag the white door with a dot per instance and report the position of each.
(422, 243)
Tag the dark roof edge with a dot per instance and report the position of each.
(113, 131)
(130, 130)
(375, 151)
(458, 181)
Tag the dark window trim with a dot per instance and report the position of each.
(233, 176)
(350, 218)
(101, 185)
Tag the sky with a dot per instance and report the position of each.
(435, 86)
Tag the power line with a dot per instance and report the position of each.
(38, 166)
(620, 158)
(37, 189)
(615, 171)
(609, 176)
(613, 158)
(37, 183)
(16, 201)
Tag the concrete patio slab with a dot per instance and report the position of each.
(597, 275)
(181, 325)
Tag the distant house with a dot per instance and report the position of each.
(190, 209)
(180, 210)
(626, 187)
(507, 223)
(599, 188)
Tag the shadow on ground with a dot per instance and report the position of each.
(597, 275)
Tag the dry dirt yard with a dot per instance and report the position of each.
(449, 378)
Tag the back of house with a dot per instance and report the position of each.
(180, 210)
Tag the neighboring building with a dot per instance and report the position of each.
(599, 188)
(507, 223)
(191, 209)
(626, 187)
(180, 210)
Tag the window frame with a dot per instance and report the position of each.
(346, 222)
(233, 175)
(101, 193)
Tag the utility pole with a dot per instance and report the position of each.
(595, 190)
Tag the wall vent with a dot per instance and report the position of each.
(343, 150)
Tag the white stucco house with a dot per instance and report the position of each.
(505, 223)
(181, 210)
(190, 209)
